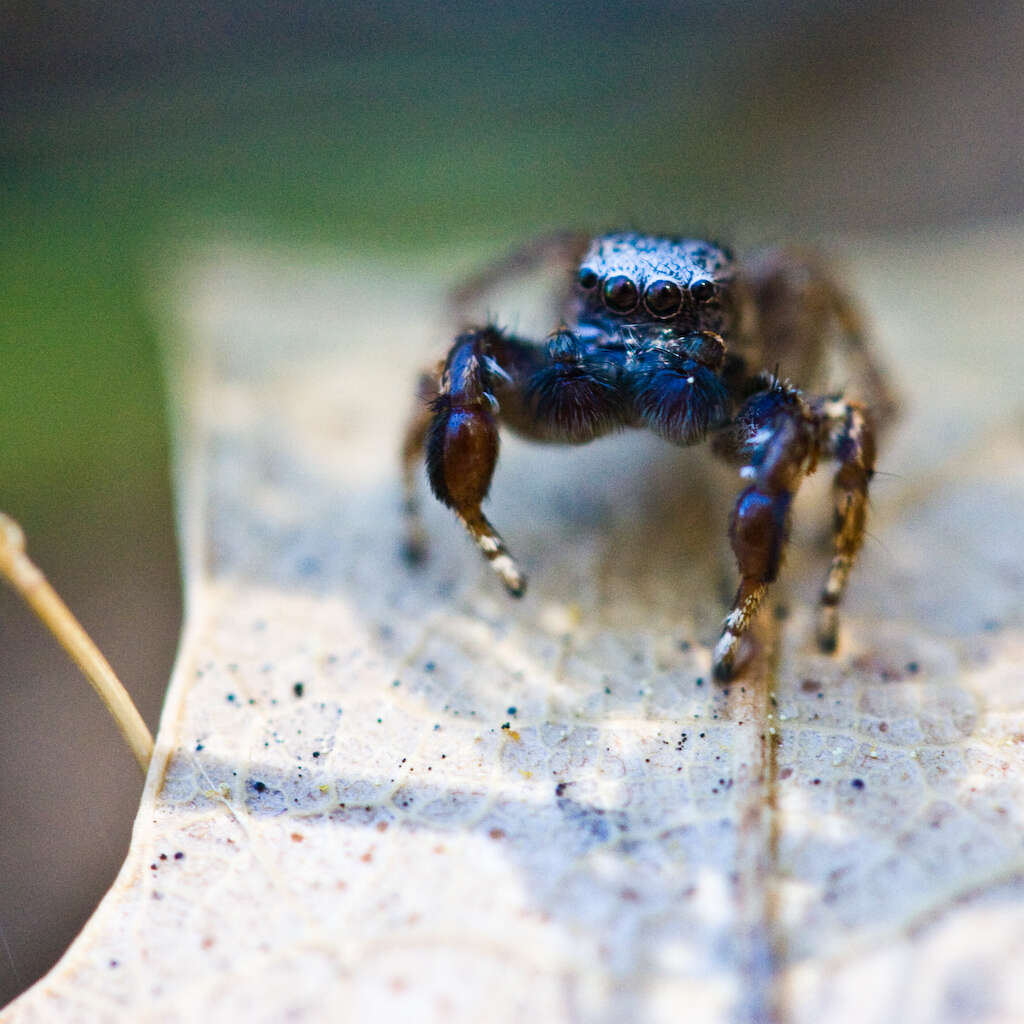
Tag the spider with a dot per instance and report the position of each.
(671, 335)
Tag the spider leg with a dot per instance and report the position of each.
(414, 547)
(780, 437)
(461, 441)
(847, 436)
(872, 384)
(776, 435)
(799, 305)
(562, 250)
(560, 391)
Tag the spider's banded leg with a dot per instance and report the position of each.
(799, 306)
(776, 434)
(847, 436)
(462, 445)
(871, 381)
(415, 544)
(563, 249)
(559, 391)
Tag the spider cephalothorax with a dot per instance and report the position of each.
(672, 335)
(654, 286)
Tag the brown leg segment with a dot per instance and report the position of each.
(779, 438)
(554, 391)
(560, 250)
(776, 432)
(462, 447)
(414, 547)
(848, 437)
(873, 387)
(799, 305)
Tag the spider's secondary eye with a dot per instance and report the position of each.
(702, 290)
(620, 294)
(663, 298)
(587, 278)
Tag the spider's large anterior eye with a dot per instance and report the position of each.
(663, 298)
(587, 278)
(620, 294)
(702, 291)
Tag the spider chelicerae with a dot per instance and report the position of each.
(672, 335)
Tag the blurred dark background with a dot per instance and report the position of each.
(128, 128)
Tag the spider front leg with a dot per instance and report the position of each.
(776, 436)
(559, 392)
(780, 438)
(461, 443)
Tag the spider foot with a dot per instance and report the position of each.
(731, 658)
(827, 631)
(723, 661)
(414, 552)
(414, 544)
(511, 575)
(731, 654)
(489, 541)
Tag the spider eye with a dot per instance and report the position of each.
(663, 298)
(702, 291)
(587, 278)
(620, 294)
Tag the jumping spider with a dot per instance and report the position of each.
(669, 334)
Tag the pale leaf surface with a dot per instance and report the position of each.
(338, 823)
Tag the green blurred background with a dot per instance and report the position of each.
(129, 130)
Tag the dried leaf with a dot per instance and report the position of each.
(379, 794)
